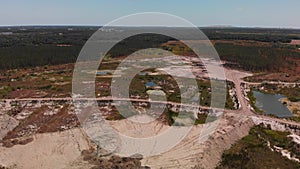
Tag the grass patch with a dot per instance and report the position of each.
(5, 90)
(296, 119)
(252, 99)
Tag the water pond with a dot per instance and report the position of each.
(270, 104)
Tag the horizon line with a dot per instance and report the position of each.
(92, 25)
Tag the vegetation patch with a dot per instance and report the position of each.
(252, 102)
(253, 151)
(292, 93)
(257, 58)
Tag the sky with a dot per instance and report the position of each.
(251, 13)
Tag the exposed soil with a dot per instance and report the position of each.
(38, 122)
(295, 42)
(113, 161)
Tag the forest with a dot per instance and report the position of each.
(257, 58)
(22, 47)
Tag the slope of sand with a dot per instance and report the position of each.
(190, 153)
(62, 150)
(48, 151)
(7, 123)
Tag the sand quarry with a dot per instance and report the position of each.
(62, 150)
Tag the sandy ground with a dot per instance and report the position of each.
(191, 152)
(48, 151)
(62, 150)
(188, 152)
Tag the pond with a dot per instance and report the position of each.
(270, 104)
(102, 73)
(150, 84)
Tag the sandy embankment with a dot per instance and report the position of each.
(62, 150)
(7, 123)
(190, 153)
(51, 150)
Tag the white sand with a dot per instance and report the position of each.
(47, 151)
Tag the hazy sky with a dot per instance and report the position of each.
(262, 13)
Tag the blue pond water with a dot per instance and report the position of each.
(270, 104)
(101, 73)
(150, 84)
